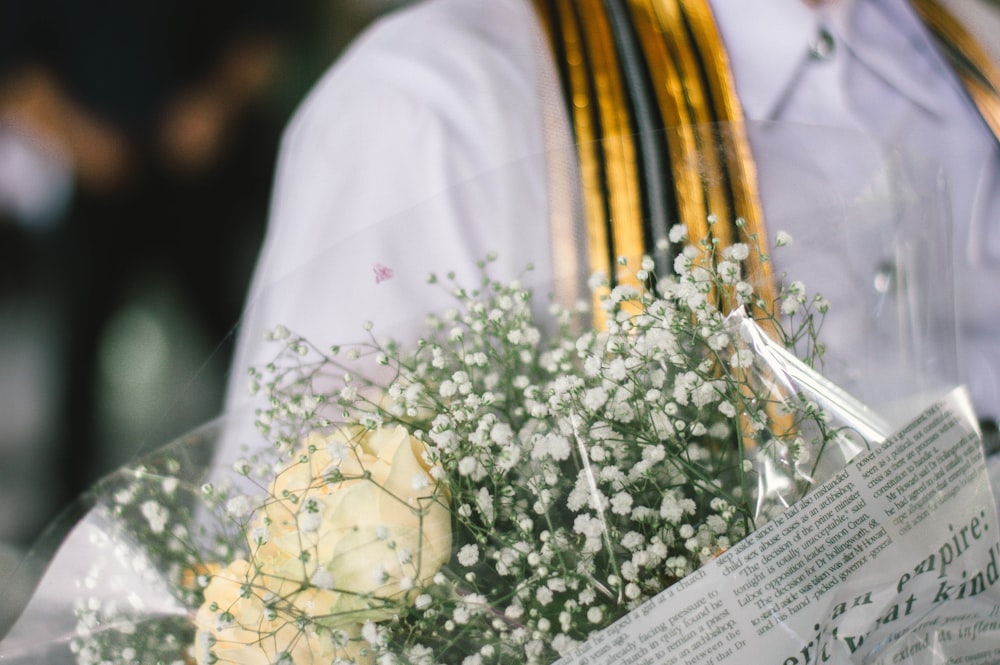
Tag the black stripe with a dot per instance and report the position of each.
(713, 139)
(658, 192)
(594, 110)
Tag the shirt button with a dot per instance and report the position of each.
(823, 46)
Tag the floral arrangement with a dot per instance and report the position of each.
(493, 493)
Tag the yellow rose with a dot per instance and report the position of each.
(254, 619)
(358, 513)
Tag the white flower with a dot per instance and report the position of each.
(310, 522)
(717, 524)
(742, 359)
(239, 506)
(621, 503)
(706, 393)
(595, 398)
(322, 579)
(718, 341)
(738, 251)
(278, 333)
(588, 525)
(513, 612)
(501, 433)
(596, 280)
(125, 496)
(555, 446)
(670, 509)
(468, 555)
(592, 366)
(729, 272)
(633, 540)
(789, 306)
(616, 370)
(156, 515)
(461, 615)
(259, 535)
(802, 454)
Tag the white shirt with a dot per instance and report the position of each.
(413, 154)
(885, 80)
(443, 127)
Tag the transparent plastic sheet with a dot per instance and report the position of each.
(847, 427)
(886, 234)
(106, 568)
(126, 578)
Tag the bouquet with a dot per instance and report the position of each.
(503, 494)
(493, 493)
(664, 476)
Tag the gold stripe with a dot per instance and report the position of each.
(609, 169)
(592, 189)
(704, 160)
(563, 184)
(977, 71)
(617, 138)
(739, 158)
(710, 156)
(742, 181)
(670, 90)
(684, 53)
(988, 104)
(695, 91)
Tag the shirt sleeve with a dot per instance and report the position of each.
(420, 150)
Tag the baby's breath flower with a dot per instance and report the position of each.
(559, 458)
(156, 515)
(468, 555)
(239, 506)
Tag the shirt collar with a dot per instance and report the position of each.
(907, 61)
(766, 68)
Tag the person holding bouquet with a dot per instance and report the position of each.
(547, 388)
(442, 92)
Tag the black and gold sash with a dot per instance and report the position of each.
(649, 85)
(973, 66)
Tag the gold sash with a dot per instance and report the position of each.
(648, 82)
(979, 74)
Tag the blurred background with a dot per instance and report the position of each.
(137, 146)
